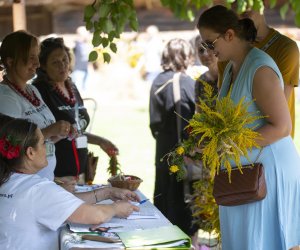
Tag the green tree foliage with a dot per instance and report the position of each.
(106, 19)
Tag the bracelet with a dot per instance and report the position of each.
(95, 196)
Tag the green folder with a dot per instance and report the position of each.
(166, 237)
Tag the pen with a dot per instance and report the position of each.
(143, 201)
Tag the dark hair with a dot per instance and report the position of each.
(47, 47)
(220, 19)
(177, 55)
(50, 44)
(24, 135)
(16, 45)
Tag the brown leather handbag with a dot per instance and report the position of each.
(246, 187)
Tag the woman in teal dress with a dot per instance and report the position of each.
(273, 223)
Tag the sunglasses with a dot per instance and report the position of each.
(210, 45)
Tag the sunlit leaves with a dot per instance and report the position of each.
(93, 56)
(272, 3)
(283, 10)
(106, 19)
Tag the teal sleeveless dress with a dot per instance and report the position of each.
(273, 223)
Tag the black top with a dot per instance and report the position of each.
(66, 164)
(163, 126)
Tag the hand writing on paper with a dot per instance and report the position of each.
(123, 209)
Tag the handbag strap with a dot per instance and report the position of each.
(259, 154)
(177, 98)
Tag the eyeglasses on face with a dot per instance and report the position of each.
(210, 45)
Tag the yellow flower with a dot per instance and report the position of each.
(174, 169)
(180, 150)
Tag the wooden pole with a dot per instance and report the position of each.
(19, 15)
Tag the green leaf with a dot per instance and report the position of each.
(104, 10)
(89, 11)
(165, 2)
(190, 15)
(89, 25)
(295, 6)
(101, 24)
(113, 47)
(129, 2)
(97, 40)
(297, 19)
(105, 42)
(283, 10)
(134, 23)
(272, 3)
(93, 56)
(108, 26)
(106, 57)
(258, 5)
(111, 35)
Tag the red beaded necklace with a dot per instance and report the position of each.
(71, 101)
(34, 100)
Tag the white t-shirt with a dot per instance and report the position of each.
(15, 105)
(31, 210)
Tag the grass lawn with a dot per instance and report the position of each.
(122, 117)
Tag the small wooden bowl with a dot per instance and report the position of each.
(132, 184)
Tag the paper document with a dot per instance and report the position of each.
(144, 213)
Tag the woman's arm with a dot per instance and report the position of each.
(97, 214)
(107, 193)
(57, 131)
(270, 99)
(107, 146)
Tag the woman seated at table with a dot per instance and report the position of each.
(33, 208)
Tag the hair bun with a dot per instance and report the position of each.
(248, 29)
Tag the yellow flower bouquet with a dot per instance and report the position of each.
(219, 135)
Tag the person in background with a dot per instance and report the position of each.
(81, 51)
(283, 50)
(19, 58)
(64, 100)
(274, 222)
(33, 208)
(208, 59)
(152, 53)
(176, 57)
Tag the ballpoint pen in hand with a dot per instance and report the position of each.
(143, 201)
